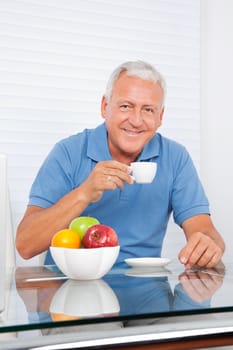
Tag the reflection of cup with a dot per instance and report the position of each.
(85, 299)
(143, 172)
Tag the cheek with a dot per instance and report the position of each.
(114, 116)
(109, 112)
(153, 124)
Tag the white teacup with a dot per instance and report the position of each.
(143, 172)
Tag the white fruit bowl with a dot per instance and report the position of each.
(85, 263)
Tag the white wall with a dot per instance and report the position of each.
(175, 60)
(217, 112)
(56, 57)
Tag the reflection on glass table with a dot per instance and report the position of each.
(128, 305)
(79, 299)
(122, 295)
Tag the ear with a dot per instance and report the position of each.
(104, 105)
(161, 116)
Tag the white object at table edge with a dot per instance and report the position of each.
(146, 262)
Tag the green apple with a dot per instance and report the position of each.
(82, 223)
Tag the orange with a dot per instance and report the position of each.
(66, 238)
(63, 317)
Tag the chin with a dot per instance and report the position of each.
(132, 148)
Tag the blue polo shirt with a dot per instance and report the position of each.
(139, 212)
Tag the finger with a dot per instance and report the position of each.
(191, 289)
(206, 258)
(198, 250)
(120, 174)
(115, 166)
(186, 253)
(216, 280)
(211, 256)
(200, 286)
(207, 280)
(106, 182)
(114, 182)
(210, 283)
(215, 259)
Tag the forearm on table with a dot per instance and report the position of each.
(38, 225)
(203, 223)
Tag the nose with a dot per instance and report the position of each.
(136, 118)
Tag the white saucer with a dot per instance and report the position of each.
(147, 272)
(147, 262)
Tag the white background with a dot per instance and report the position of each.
(56, 57)
(216, 112)
(216, 165)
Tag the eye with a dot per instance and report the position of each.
(148, 110)
(125, 107)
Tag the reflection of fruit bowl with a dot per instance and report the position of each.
(85, 264)
(77, 299)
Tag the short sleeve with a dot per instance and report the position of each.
(188, 196)
(53, 180)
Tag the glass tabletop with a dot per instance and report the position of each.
(42, 297)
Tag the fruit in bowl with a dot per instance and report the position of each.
(85, 264)
(82, 223)
(66, 238)
(100, 236)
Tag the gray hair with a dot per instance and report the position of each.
(138, 69)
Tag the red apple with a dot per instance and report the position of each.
(100, 235)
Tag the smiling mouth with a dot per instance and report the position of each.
(133, 132)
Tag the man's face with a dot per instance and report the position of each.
(132, 116)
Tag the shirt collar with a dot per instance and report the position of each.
(97, 148)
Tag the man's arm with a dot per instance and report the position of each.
(38, 225)
(205, 245)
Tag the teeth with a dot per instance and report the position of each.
(132, 132)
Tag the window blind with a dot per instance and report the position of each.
(55, 59)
